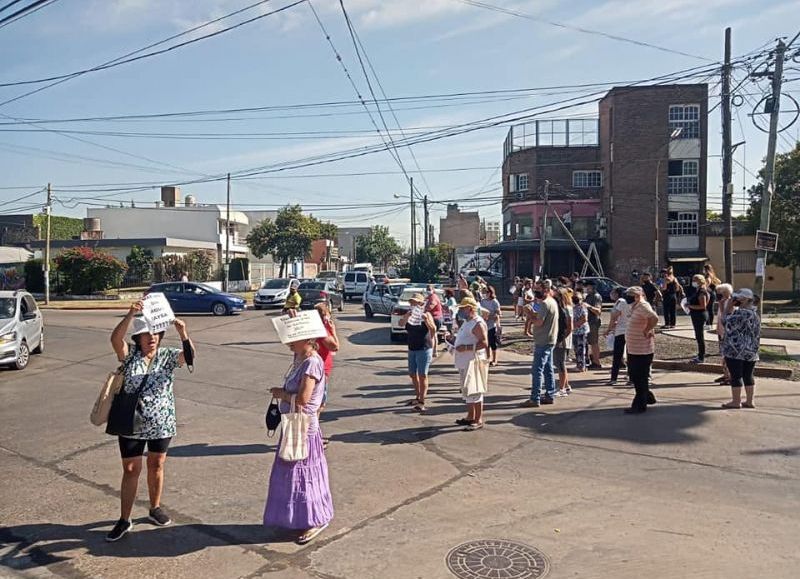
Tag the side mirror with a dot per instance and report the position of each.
(29, 316)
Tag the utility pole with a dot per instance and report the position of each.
(657, 251)
(49, 210)
(727, 161)
(227, 265)
(427, 228)
(543, 235)
(769, 169)
(413, 223)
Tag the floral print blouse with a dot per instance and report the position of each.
(155, 413)
(742, 335)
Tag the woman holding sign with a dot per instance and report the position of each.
(149, 375)
(299, 496)
(421, 329)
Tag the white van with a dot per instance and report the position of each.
(362, 267)
(355, 284)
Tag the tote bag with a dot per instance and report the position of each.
(476, 380)
(294, 434)
(102, 406)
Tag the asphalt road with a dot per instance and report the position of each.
(687, 490)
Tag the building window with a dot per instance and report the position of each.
(683, 177)
(687, 119)
(680, 223)
(522, 182)
(585, 179)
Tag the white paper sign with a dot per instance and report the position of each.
(304, 326)
(157, 312)
(760, 267)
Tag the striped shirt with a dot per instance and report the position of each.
(638, 318)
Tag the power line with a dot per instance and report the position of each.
(23, 12)
(528, 16)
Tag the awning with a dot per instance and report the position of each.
(687, 258)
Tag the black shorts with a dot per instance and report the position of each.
(493, 339)
(131, 447)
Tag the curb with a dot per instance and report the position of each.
(780, 333)
(760, 371)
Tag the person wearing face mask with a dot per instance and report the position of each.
(740, 347)
(326, 348)
(544, 320)
(492, 314)
(148, 368)
(698, 312)
(433, 305)
(617, 327)
(421, 331)
(640, 342)
(594, 304)
(580, 329)
(472, 337)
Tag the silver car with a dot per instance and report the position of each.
(21, 329)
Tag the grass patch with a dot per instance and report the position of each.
(774, 354)
(781, 324)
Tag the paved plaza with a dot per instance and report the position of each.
(686, 490)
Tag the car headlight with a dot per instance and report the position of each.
(8, 338)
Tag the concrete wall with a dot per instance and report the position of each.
(779, 279)
(460, 229)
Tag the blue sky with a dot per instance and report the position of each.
(417, 48)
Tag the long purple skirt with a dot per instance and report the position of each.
(299, 495)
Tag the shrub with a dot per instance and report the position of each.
(87, 271)
(198, 264)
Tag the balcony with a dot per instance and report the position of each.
(552, 133)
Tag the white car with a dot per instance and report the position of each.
(401, 308)
(272, 294)
(21, 329)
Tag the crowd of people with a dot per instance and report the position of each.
(562, 317)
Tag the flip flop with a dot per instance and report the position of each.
(731, 406)
(311, 534)
(748, 405)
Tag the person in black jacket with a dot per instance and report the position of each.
(698, 311)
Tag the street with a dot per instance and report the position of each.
(686, 490)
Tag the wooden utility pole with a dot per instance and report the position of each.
(425, 219)
(769, 169)
(227, 266)
(727, 162)
(543, 235)
(49, 210)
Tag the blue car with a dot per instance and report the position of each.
(198, 298)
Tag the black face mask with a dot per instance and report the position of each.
(538, 295)
(630, 299)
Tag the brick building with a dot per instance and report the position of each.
(461, 229)
(602, 177)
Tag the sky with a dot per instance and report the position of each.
(416, 48)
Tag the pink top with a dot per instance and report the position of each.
(434, 306)
(638, 318)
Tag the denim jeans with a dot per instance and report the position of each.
(543, 368)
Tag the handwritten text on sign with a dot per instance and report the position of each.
(304, 326)
(157, 312)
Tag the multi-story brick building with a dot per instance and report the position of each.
(603, 178)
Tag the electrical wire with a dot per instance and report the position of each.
(23, 12)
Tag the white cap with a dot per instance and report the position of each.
(139, 327)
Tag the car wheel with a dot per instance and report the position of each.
(368, 312)
(219, 309)
(23, 357)
(40, 348)
(394, 337)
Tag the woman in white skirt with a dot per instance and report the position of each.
(472, 337)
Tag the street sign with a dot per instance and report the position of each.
(334, 252)
(766, 241)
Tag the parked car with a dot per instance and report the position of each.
(382, 298)
(355, 284)
(320, 292)
(603, 285)
(272, 294)
(402, 306)
(21, 329)
(191, 298)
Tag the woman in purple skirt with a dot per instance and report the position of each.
(299, 496)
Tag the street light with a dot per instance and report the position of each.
(673, 135)
(413, 224)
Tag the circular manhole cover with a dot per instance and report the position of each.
(497, 559)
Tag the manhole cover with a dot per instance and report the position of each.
(497, 559)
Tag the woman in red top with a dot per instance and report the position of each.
(326, 348)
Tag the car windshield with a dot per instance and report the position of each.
(8, 307)
(310, 285)
(275, 284)
(396, 290)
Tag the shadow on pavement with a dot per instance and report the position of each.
(784, 451)
(197, 450)
(39, 545)
(373, 337)
(402, 436)
(659, 425)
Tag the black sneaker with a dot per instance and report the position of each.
(120, 530)
(159, 517)
(547, 400)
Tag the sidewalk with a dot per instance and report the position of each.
(792, 346)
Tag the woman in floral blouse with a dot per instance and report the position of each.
(150, 367)
(740, 347)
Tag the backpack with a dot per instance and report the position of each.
(562, 325)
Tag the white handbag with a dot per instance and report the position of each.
(294, 434)
(476, 380)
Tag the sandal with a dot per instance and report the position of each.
(463, 422)
(420, 408)
(310, 534)
(414, 402)
(748, 405)
(731, 405)
(474, 426)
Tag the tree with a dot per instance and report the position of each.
(425, 266)
(328, 230)
(378, 246)
(198, 264)
(87, 271)
(785, 209)
(288, 238)
(140, 263)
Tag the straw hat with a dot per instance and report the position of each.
(468, 303)
(417, 298)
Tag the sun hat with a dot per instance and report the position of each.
(418, 298)
(139, 327)
(468, 303)
(745, 293)
(634, 290)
